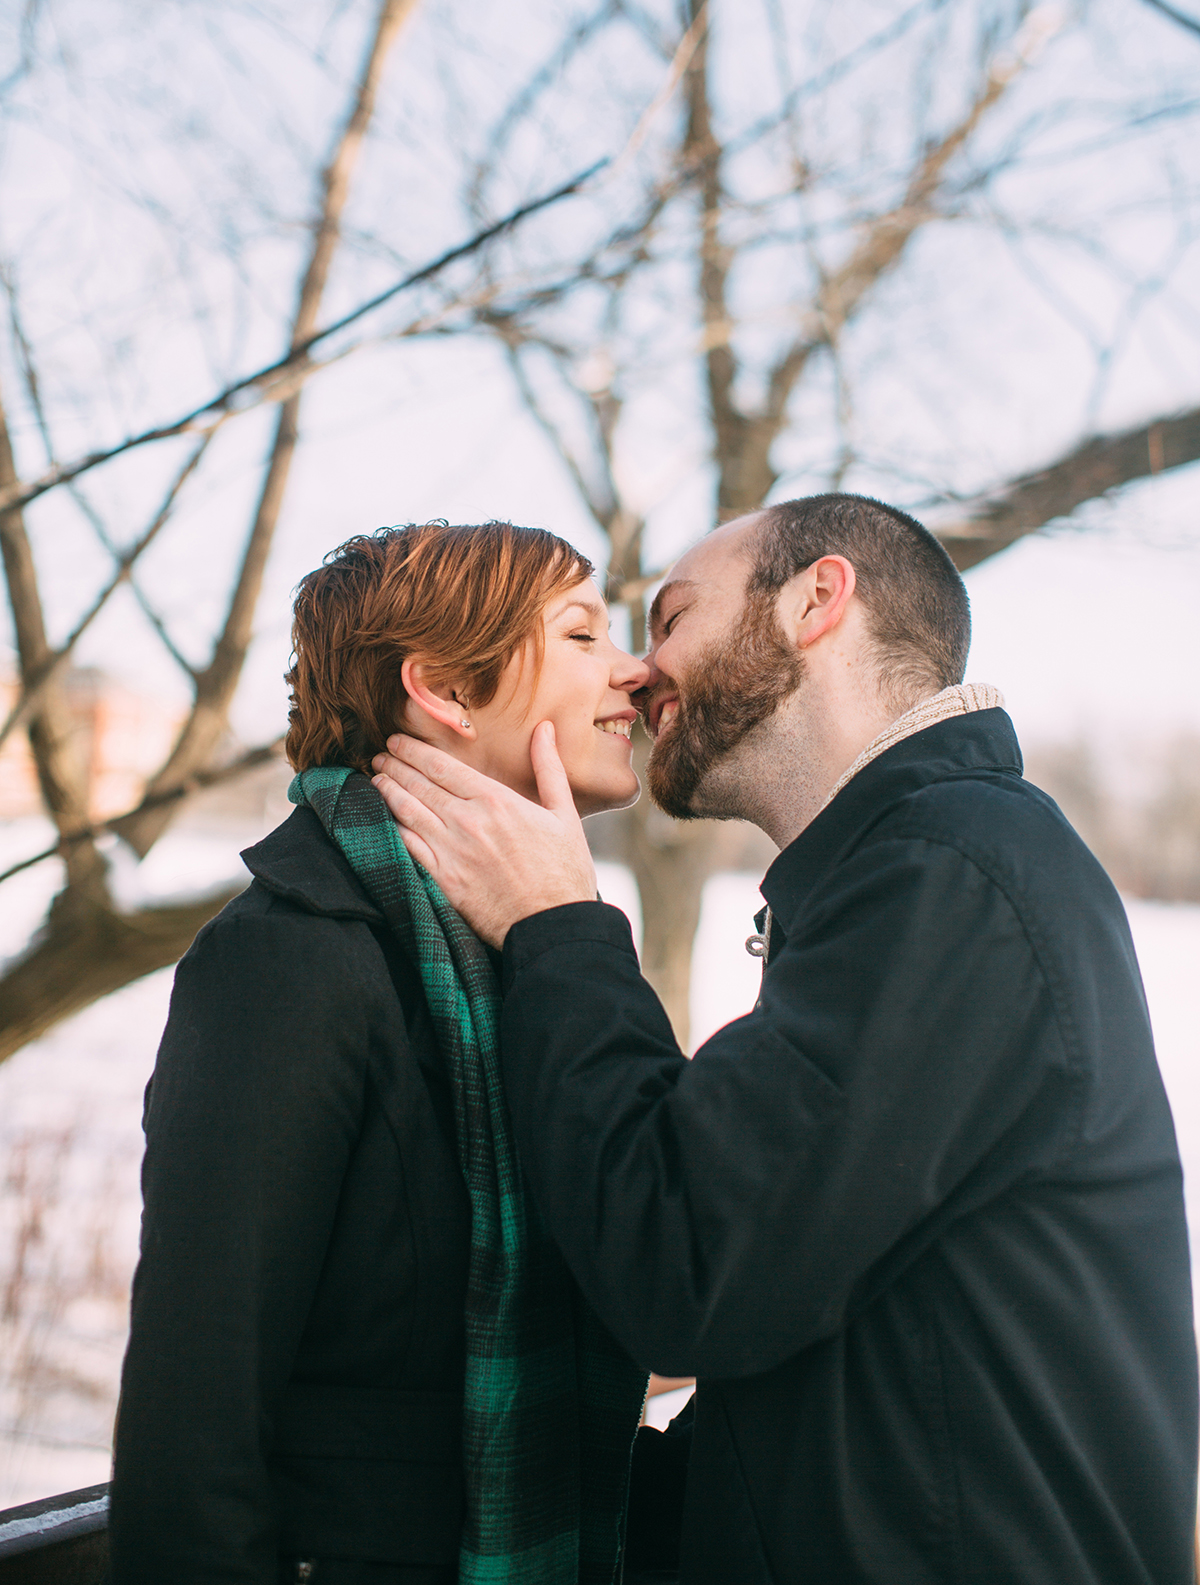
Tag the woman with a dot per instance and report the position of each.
(353, 1355)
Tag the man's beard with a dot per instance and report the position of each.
(742, 682)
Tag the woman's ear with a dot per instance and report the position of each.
(446, 706)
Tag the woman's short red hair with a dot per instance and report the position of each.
(462, 599)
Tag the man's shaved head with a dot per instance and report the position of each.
(920, 618)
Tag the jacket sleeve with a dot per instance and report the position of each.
(903, 1064)
(252, 1113)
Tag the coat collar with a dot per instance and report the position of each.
(966, 745)
(300, 863)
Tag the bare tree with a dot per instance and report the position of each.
(714, 202)
(88, 947)
(720, 308)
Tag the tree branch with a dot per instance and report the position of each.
(216, 684)
(63, 781)
(280, 379)
(35, 684)
(82, 958)
(250, 760)
(1099, 465)
(680, 61)
(336, 177)
(747, 476)
(702, 153)
(1192, 25)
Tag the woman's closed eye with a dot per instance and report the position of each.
(582, 638)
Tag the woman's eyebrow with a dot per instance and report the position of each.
(592, 607)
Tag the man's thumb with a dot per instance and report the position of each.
(554, 790)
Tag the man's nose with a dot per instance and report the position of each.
(653, 675)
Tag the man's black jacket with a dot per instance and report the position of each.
(916, 1222)
(293, 1386)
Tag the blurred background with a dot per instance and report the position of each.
(943, 252)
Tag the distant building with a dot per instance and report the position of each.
(121, 737)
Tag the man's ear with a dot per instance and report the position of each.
(444, 705)
(815, 601)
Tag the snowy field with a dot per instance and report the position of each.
(70, 1108)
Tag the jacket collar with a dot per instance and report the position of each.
(966, 745)
(300, 863)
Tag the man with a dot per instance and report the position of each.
(916, 1222)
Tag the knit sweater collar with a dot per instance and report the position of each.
(964, 739)
(961, 698)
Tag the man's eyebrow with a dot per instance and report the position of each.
(661, 596)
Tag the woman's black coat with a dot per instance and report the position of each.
(293, 1386)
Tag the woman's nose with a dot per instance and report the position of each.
(629, 674)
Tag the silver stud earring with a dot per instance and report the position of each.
(461, 722)
(463, 704)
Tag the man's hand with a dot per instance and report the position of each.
(497, 856)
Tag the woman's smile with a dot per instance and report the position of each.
(620, 725)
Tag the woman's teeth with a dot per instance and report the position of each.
(617, 728)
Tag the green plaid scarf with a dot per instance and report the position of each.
(551, 1401)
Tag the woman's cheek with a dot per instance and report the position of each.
(572, 745)
(590, 756)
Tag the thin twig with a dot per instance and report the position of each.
(36, 685)
(33, 391)
(550, 72)
(195, 783)
(1190, 23)
(679, 64)
(270, 384)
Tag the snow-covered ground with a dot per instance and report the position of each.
(70, 1108)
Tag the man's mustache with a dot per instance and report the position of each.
(650, 703)
(643, 700)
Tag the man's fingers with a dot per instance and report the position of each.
(554, 789)
(418, 851)
(414, 822)
(442, 769)
(408, 808)
(416, 784)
